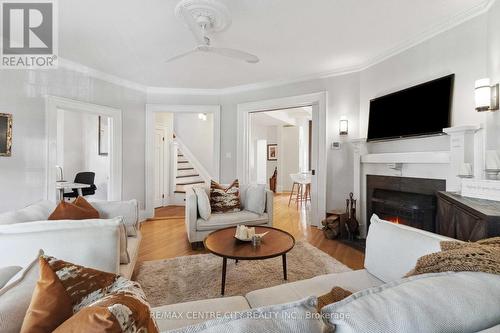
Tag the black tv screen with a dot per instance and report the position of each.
(420, 110)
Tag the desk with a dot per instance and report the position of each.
(61, 186)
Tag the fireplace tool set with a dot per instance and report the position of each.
(351, 224)
(342, 225)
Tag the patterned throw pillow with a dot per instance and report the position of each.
(72, 298)
(225, 200)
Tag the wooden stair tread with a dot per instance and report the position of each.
(187, 176)
(185, 168)
(192, 183)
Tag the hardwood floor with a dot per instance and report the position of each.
(165, 236)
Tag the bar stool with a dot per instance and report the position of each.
(303, 183)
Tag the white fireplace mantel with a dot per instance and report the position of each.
(435, 157)
(465, 146)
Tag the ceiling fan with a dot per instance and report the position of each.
(204, 17)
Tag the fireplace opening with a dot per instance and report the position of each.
(412, 209)
(402, 200)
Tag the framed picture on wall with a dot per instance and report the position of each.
(272, 152)
(103, 134)
(5, 134)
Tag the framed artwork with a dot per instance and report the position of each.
(103, 134)
(5, 134)
(272, 152)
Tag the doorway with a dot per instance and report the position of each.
(312, 160)
(84, 137)
(280, 149)
(188, 156)
(163, 150)
(83, 147)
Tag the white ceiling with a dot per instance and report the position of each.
(293, 38)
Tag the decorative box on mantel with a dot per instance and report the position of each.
(481, 189)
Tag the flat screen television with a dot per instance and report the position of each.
(421, 110)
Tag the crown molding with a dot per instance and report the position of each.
(100, 75)
(442, 27)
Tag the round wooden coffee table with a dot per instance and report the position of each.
(275, 243)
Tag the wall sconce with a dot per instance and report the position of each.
(202, 116)
(343, 126)
(486, 96)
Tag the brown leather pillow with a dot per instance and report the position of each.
(80, 209)
(72, 298)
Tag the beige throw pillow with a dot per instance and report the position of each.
(15, 298)
(6, 273)
(203, 201)
(124, 256)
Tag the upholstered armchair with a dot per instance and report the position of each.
(198, 228)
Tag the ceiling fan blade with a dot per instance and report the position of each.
(232, 53)
(193, 26)
(181, 55)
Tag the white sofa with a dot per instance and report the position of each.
(88, 242)
(198, 228)
(391, 251)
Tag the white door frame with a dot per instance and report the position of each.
(166, 165)
(319, 145)
(52, 104)
(151, 109)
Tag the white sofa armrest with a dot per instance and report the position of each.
(191, 214)
(392, 250)
(92, 244)
(129, 210)
(270, 206)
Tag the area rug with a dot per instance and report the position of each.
(196, 277)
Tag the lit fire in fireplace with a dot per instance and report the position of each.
(395, 219)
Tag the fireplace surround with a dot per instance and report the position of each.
(404, 200)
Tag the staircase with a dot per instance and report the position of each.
(186, 175)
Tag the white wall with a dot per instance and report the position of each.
(198, 136)
(99, 164)
(471, 50)
(493, 48)
(22, 93)
(257, 132)
(270, 134)
(288, 156)
(461, 50)
(72, 156)
(343, 99)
